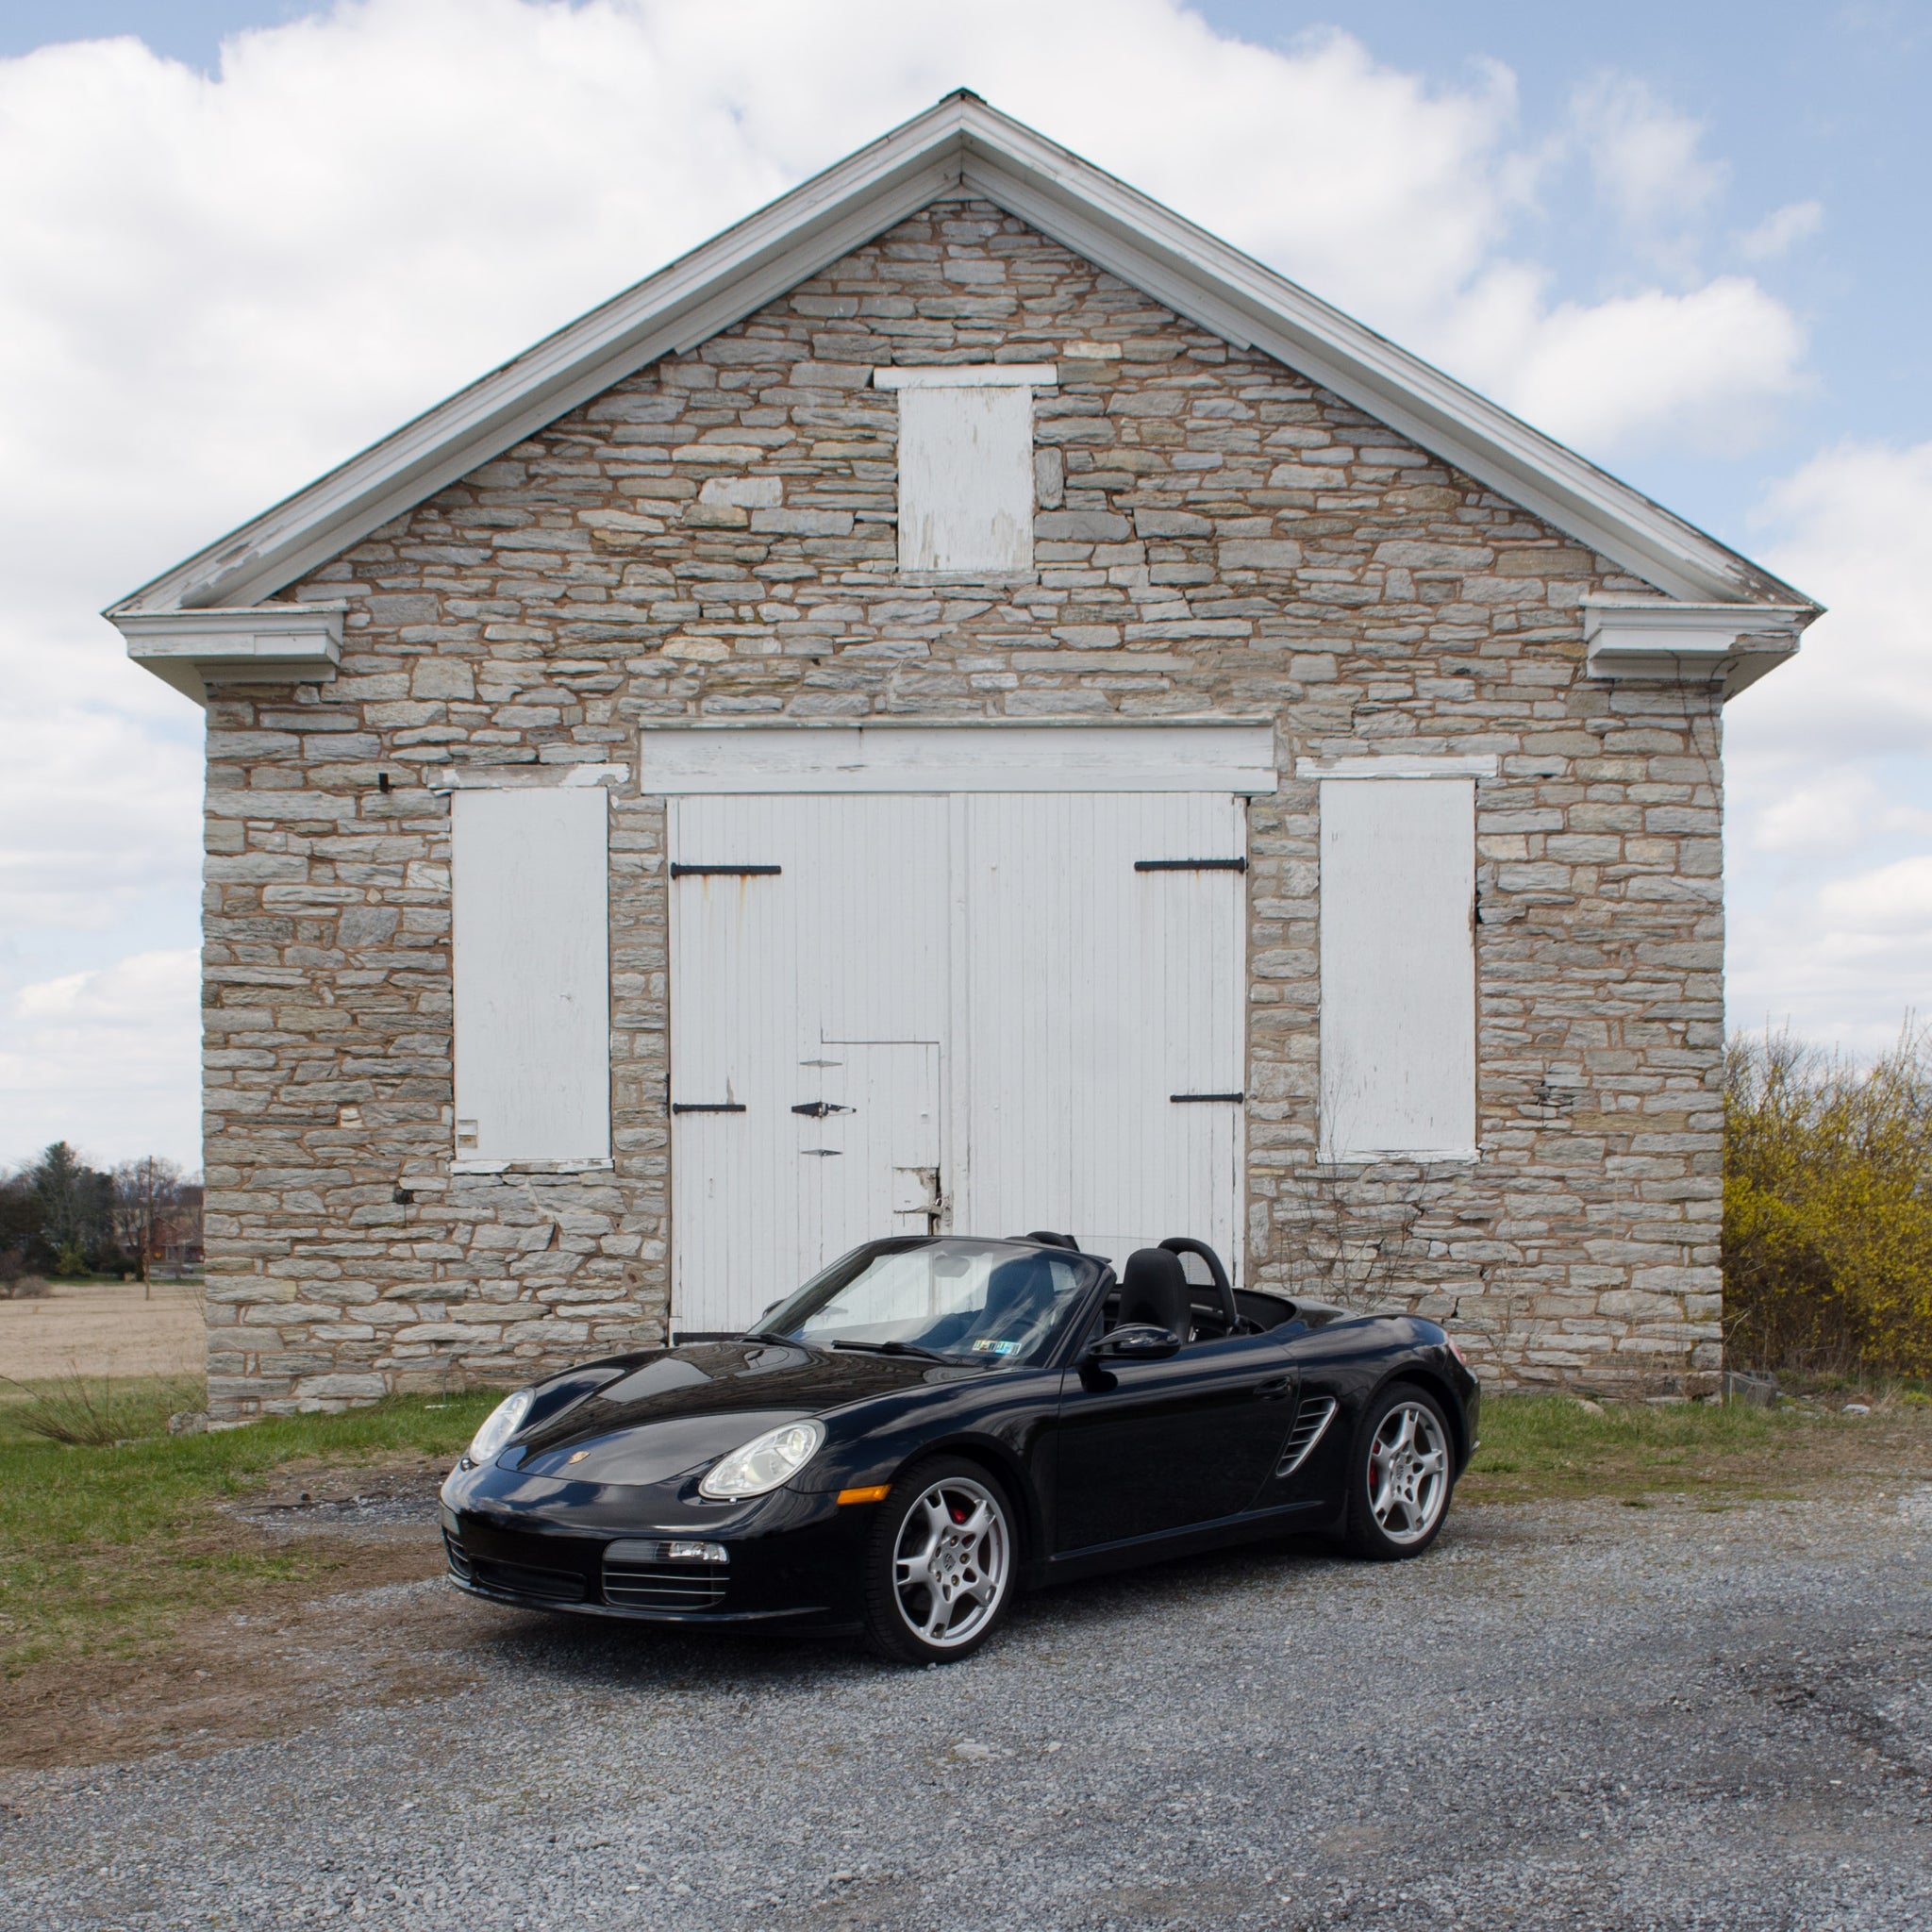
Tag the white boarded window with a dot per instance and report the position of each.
(966, 467)
(529, 898)
(1398, 968)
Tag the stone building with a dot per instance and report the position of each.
(963, 702)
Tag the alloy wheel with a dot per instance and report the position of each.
(1409, 1473)
(951, 1562)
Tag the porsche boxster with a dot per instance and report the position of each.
(933, 1424)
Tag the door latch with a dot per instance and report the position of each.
(818, 1110)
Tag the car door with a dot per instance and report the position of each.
(1152, 1446)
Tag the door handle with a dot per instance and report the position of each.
(1275, 1389)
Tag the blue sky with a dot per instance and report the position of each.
(1690, 239)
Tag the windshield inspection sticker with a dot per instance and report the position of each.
(995, 1347)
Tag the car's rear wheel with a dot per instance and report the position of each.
(1400, 1475)
(941, 1563)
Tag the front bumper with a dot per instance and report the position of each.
(793, 1559)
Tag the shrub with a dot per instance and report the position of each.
(1827, 1228)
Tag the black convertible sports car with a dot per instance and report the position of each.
(933, 1423)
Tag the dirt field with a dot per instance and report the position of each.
(103, 1330)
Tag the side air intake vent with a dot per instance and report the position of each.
(1312, 1422)
(459, 1557)
(525, 1579)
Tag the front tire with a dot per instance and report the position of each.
(1401, 1473)
(941, 1563)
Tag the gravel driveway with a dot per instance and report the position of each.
(1567, 1715)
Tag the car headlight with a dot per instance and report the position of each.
(764, 1462)
(499, 1425)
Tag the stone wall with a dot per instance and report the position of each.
(714, 538)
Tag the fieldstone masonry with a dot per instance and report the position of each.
(713, 539)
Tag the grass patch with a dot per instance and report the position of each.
(95, 1410)
(1545, 1445)
(105, 1549)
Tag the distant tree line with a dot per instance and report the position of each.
(60, 1216)
(1827, 1241)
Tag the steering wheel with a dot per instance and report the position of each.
(1223, 1288)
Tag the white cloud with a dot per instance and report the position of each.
(1782, 230)
(1645, 155)
(110, 1059)
(1705, 369)
(218, 286)
(1830, 762)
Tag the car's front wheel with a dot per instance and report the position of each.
(1400, 1475)
(940, 1563)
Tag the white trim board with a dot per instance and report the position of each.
(970, 375)
(1401, 764)
(1235, 756)
(958, 144)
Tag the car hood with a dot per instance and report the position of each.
(663, 1414)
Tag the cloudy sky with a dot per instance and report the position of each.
(240, 238)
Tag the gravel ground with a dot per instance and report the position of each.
(1567, 1715)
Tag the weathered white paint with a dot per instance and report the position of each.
(778, 983)
(1401, 764)
(503, 777)
(966, 479)
(1092, 994)
(273, 645)
(530, 959)
(1654, 638)
(995, 1005)
(1398, 968)
(970, 375)
(1235, 756)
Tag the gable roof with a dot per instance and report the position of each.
(960, 143)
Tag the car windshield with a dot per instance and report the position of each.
(996, 1302)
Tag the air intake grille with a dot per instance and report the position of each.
(637, 1583)
(1312, 1422)
(459, 1557)
(523, 1579)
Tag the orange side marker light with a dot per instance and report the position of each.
(876, 1494)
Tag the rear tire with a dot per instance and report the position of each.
(1401, 1473)
(941, 1564)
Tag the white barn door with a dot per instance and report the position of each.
(808, 972)
(1103, 1011)
(981, 1013)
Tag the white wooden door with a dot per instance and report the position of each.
(1007, 1011)
(1101, 1012)
(872, 1157)
(774, 975)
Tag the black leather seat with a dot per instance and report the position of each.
(1018, 1292)
(1154, 1288)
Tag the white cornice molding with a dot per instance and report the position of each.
(274, 643)
(1030, 755)
(1650, 639)
(960, 143)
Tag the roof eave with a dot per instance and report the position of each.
(959, 141)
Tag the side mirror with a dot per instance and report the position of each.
(1137, 1341)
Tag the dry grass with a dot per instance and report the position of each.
(1538, 1446)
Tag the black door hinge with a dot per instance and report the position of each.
(818, 1110)
(730, 871)
(1190, 865)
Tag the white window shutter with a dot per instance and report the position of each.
(531, 961)
(1398, 968)
(966, 478)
